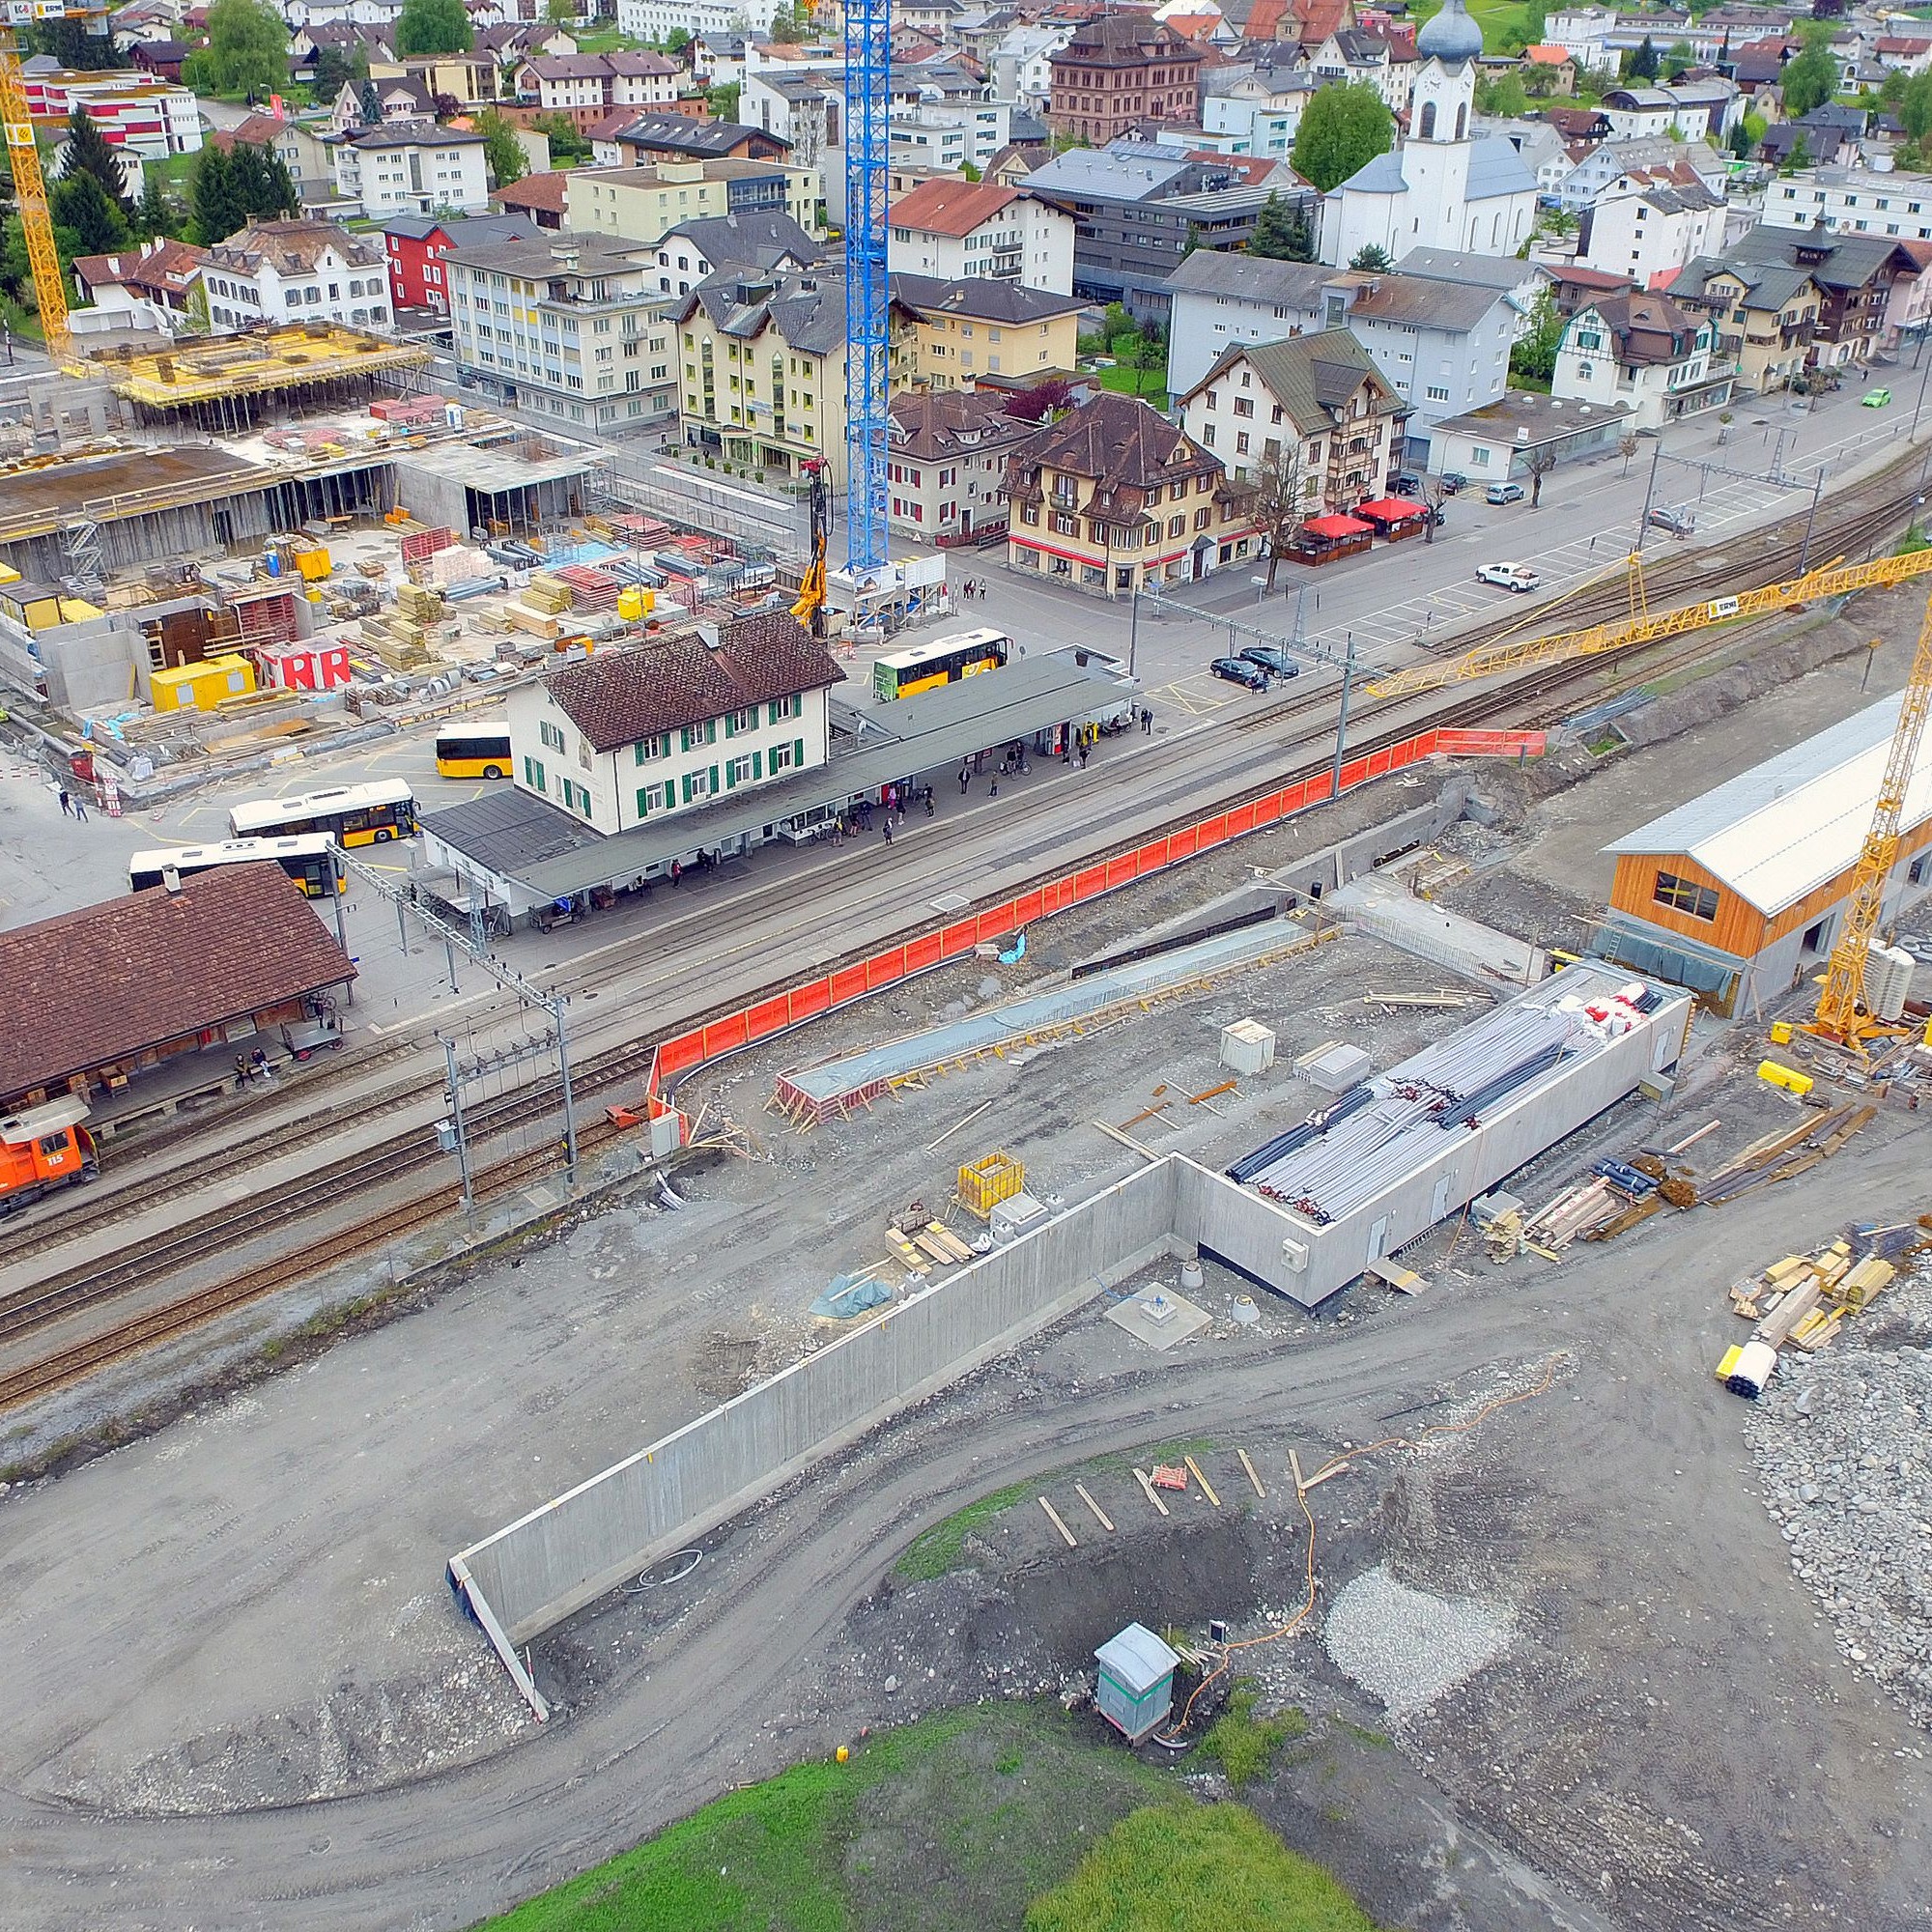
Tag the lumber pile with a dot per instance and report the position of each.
(1785, 1154)
(1617, 1196)
(1803, 1300)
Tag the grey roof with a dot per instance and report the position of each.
(1496, 168)
(542, 251)
(413, 134)
(679, 134)
(1453, 265)
(807, 310)
(1251, 278)
(1100, 172)
(1381, 176)
(1851, 261)
(757, 238)
(981, 298)
(1772, 284)
(1312, 377)
(462, 228)
(1137, 1657)
(1546, 418)
(508, 831)
(1423, 304)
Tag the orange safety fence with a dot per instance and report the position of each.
(772, 1015)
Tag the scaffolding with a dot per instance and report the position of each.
(224, 373)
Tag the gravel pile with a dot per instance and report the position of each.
(1407, 1647)
(1842, 1444)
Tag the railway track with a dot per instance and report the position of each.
(1532, 697)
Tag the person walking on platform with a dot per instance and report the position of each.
(889, 828)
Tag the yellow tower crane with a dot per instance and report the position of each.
(1842, 1014)
(30, 187)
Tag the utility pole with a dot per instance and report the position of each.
(1649, 492)
(1341, 722)
(1134, 630)
(557, 1004)
(338, 879)
(456, 1120)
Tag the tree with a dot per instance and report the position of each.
(79, 203)
(1799, 158)
(561, 13)
(1643, 64)
(1811, 79)
(1143, 352)
(677, 42)
(1533, 358)
(1677, 57)
(1280, 498)
(1044, 400)
(433, 27)
(723, 100)
(89, 152)
(1373, 259)
(261, 183)
(16, 272)
(155, 217)
(213, 199)
(248, 50)
(1627, 448)
(968, 172)
(335, 69)
(1914, 106)
(501, 150)
(1539, 460)
(1343, 128)
(1279, 232)
(71, 44)
(1504, 97)
(566, 144)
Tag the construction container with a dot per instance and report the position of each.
(1247, 1047)
(201, 687)
(995, 1177)
(1788, 1077)
(1780, 1032)
(1136, 1685)
(636, 602)
(314, 564)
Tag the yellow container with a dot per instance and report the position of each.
(1787, 1077)
(633, 602)
(1780, 1032)
(995, 1177)
(201, 687)
(314, 564)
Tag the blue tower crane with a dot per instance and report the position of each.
(867, 144)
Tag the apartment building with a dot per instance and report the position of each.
(962, 330)
(571, 327)
(1120, 71)
(416, 245)
(412, 167)
(948, 452)
(296, 271)
(149, 117)
(952, 228)
(644, 204)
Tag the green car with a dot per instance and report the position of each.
(1876, 399)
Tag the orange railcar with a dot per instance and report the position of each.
(44, 1147)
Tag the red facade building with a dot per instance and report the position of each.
(417, 243)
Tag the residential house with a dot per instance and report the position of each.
(1573, 288)
(939, 117)
(470, 80)
(1766, 315)
(961, 332)
(1114, 498)
(1019, 67)
(1139, 209)
(1521, 280)
(1855, 276)
(1598, 171)
(1372, 59)
(1698, 109)
(353, 39)
(1120, 71)
(1222, 300)
(644, 204)
(762, 243)
(762, 360)
(151, 283)
(370, 103)
(719, 23)
(162, 58)
(1648, 230)
(1908, 315)
(636, 735)
(585, 87)
(416, 245)
(568, 327)
(798, 110)
(1523, 433)
(1584, 34)
(294, 270)
(304, 153)
(952, 228)
(1908, 53)
(1827, 137)
(1553, 69)
(1644, 350)
(678, 137)
(412, 167)
(1316, 404)
(1443, 346)
(540, 196)
(947, 463)
(1852, 201)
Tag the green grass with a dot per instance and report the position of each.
(1505, 23)
(971, 1813)
(1244, 1745)
(1149, 383)
(1196, 1868)
(176, 171)
(935, 1551)
(1363, 1735)
(605, 40)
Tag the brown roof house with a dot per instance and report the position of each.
(1660, 357)
(1114, 498)
(631, 735)
(1118, 74)
(150, 282)
(134, 982)
(946, 454)
(539, 196)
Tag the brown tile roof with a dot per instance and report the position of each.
(535, 192)
(619, 696)
(943, 206)
(1120, 443)
(930, 425)
(131, 973)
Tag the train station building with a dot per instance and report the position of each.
(521, 850)
(150, 995)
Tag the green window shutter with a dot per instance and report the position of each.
(638, 752)
(758, 764)
(772, 712)
(645, 800)
(798, 751)
(714, 780)
(685, 737)
(711, 731)
(687, 787)
(731, 776)
(731, 725)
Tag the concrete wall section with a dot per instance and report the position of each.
(564, 1556)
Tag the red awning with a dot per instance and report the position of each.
(1392, 510)
(1333, 528)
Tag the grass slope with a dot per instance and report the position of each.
(1186, 1867)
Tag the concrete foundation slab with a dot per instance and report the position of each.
(1159, 1316)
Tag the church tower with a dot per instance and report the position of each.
(1444, 99)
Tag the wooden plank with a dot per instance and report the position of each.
(1323, 1475)
(1080, 1491)
(1250, 1468)
(1141, 1477)
(926, 1245)
(949, 1240)
(935, 1146)
(1692, 1140)
(1203, 1480)
(1072, 1541)
(1126, 1140)
(909, 1255)
(1776, 1327)
(1392, 1273)
(1212, 1092)
(1294, 1470)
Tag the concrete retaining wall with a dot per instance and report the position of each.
(564, 1556)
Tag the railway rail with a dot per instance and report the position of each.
(1534, 697)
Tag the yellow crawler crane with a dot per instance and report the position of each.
(1842, 1014)
(1644, 626)
(30, 187)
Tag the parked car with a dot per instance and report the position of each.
(1454, 482)
(1509, 576)
(1405, 483)
(1503, 492)
(1679, 523)
(1277, 664)
(1876, 399)
(1239, 670)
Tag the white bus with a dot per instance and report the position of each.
(364, 815)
